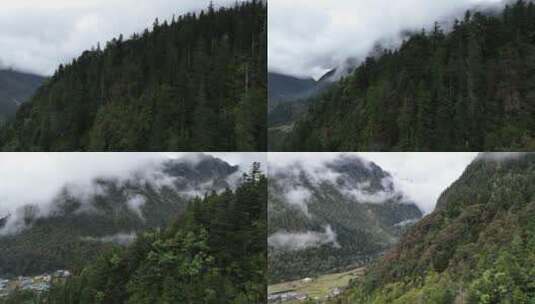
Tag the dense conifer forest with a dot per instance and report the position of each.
(214, 253)
(478, 246)
(468, 89)
(194, 83)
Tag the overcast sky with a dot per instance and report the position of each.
(36, 178)
(37, 35)
(421, 176)
(309, 37)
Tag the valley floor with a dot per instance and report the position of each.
(318, 289)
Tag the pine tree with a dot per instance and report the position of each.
(424, 118)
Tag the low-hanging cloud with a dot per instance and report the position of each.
(418, 177)
(36, 36)
(284, 240)
(122, 239)
(299, 177)
(39, 179)
(298, 197)
(309, 37)
(136, 202)
(500, 156)
(36, 178)
(360, 192)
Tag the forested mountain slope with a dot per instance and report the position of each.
(213, 253)
(15, 88)
(285, 88)
(478, 246)
(471, 89)
(196, 83)
(289, 97)
(326, 217)
(80, 223)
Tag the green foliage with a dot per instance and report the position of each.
(478, 246)
(470, 89)
(215, 253)
(197, 83)
(23, 297)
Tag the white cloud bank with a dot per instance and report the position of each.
(299, 196)
(293, 171)
(302, 240)
(38, 178)
(36, 35)
(119, 238)
(420, 177)
(309, 37)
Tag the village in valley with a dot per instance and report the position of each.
(37, 284)
(317, 290)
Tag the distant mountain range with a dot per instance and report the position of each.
(16, 88)
(76, 227)
(284, 88)
(325, 217)
(289, 98)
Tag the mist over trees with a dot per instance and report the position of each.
(332, 217)
(195, 83)
(75, 224)
(467, 90)
(215, 252)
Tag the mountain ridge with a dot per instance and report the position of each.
(16, 88)
(66, 233)
(341, 213)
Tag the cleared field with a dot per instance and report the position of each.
(320, 287)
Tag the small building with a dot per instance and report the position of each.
(25, 283)
(40, 287)
(62, 274)
(334, 292)
(285, 296)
